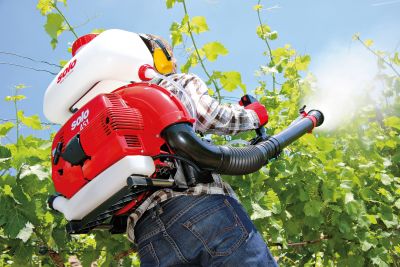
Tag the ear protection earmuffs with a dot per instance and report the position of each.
(162, 58)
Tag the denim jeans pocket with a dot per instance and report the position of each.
(148, 256)
(219, 228)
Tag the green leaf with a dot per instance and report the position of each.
(365, 246)
(45, 6)
(353, 209)
(38, 170)
(393, 122)
(231, 80)
(63, 1)
(15, 221)
(23, 255)
(379, 262)
(54, 27)
(213, 50)
(176, 34)
(272, 35)
(372, 218)
(19, 97)
(20, 86)
(263, 30)
(348, 198)
(192, 61)
(257, 7)
(198, 24)
(368, 42)
(32, 122)
(302, 62)
(14, 98)
(184, 26)
(25, 233)
(272, 201)
(98, 31)
(7, 190)
(259, 212)
(48, 218)
(312, 208)
(63, 62)
(5, 128)
(397, 204)
(170, 3)
(356, 36)
(5, 153)
(344, 226)
(387, 216)
(396, 59)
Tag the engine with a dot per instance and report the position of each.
(109, 139)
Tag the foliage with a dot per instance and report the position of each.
(333, 199)
(229, 80)
(56, 22)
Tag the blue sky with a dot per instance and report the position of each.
(310, 26)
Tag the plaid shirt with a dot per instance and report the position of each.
(211, 117)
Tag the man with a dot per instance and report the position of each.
(204, 225)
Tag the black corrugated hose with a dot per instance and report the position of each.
(233, 160)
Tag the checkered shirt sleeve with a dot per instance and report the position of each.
(212, 117)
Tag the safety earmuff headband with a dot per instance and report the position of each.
(147, 40)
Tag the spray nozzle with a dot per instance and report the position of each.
(147, 73)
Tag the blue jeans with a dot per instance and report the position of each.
(207, 230)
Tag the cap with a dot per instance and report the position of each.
(82, 41)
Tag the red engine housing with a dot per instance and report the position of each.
(128, 121)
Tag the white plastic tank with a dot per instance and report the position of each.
(114, 55)
(103, 186)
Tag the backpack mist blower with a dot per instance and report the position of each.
(123, 138)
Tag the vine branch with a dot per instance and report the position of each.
(303, 243)
(378, 56)
(3, 172)
(268, 46)
(124, 253)
(217, 89)
(54, 255)
(17, 122)
(86, 22)
(71, 29)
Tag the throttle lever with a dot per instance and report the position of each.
(261, 132)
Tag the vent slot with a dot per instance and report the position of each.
(132, 141)
(126, 119)
(116, 101)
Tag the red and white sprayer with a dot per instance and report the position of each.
(123, 138)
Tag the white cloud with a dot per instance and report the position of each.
(384, 3)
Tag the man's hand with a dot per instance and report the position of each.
(261, 112)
